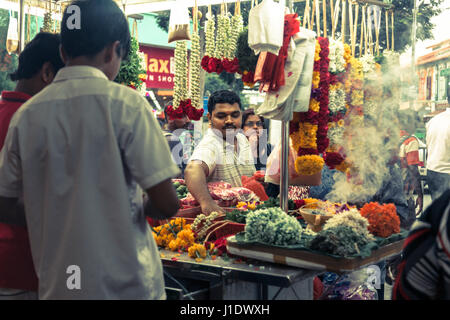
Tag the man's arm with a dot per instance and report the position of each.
(12, 211)
(163, 202)
(195, 177)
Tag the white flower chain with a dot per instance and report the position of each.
(207, 222)
(210, 27)
(195, 68)
(337, 100)
(236, 27)
(336, 56)
(180, 79)
(222, 34)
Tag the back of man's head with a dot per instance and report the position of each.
(43, 48)
(101, 23)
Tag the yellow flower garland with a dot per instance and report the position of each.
(314, 105)
(309, 164)
(308, 138)
(316, 79)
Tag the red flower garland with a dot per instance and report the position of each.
(324, 86)
(185, 108)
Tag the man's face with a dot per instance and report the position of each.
(226, 118)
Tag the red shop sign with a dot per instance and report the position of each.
(160, 67)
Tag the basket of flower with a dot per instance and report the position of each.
(315, 215)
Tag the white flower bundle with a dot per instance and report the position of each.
(335, 134)
(368, 66)
(210, 30)
(336, 56)
(272, 226)
(223, 26)
(352, 219)
(180, 83)
(236, 27)
(337, 99)
(195, 69)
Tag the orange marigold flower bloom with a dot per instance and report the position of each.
(383, 219)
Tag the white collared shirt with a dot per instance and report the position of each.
(223, 162)
(438, 143)
(78, 151)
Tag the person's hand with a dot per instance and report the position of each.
(419, 203)
(210, 207)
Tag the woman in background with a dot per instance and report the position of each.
(254, 129)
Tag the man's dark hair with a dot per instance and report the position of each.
(222, 96)
(102, 23)
(43, 48)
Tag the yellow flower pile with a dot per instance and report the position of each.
(197, 251)
(175, 235)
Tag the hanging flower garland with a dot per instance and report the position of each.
(182, 104)
(230, 62)
(209, 62)
(195, 112)
(337, 60)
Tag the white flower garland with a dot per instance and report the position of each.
(336, 56)
(368, 66)
(195, 69)
(207, 222)
(180, 79)
(222, 35)
(335, 133)
(236, 27)
(337, 99)
(210, 42)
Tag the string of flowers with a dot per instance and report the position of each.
(209, 62)
(230, 62)
(334, 156)
(195, 112)
(180, 82)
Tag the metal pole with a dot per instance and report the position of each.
(284, 158)
(21, 26)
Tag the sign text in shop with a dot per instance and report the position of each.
(160, 65)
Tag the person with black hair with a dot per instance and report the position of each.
(223, 154)
(254, 129)
(38, 64)
(81, 152)
(179, 134)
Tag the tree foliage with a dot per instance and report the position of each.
(131, 68)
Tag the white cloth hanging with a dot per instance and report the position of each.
(295, 94)
(266, 26)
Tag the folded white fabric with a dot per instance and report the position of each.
(266, 26)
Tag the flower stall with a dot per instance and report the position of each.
(336, 105)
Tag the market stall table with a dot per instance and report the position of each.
(231, 279)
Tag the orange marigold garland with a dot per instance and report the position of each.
(383, 219)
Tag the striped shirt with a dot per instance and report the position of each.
(424, 272)
(223, 162)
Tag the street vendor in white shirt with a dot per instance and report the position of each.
(223, 154)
